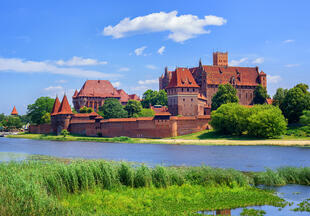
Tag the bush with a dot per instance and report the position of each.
(258, 121)
(85, 109)
(64, 132)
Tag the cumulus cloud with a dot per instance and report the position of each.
(24, 66)
(237, 62)
(148, 82)
(79, 61)
(181, 27)
(52, 91)
(273, 79)
(139, 51)
(152, 67)
(161, 50)
(291, 65)
(116, 84)
(288, 41)
(258, 60)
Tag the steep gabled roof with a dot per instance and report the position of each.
(55, 106)
(98, 88)
(75, 93)
(123, 95)
(134, 97)
(64, 106)
(14, 111)
(182, 77)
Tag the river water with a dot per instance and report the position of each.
(245, 158)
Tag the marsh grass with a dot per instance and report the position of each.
(36, 187)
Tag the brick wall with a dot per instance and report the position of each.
(40, 129)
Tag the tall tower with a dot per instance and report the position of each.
(220, 58)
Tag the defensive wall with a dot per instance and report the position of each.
(144, 127)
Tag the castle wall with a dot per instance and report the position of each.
(40, 129)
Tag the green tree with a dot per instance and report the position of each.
(305, 118)
(2, 117)
(279, 96)
(260, 95)
(85, 109)
(113, 109)
(154, 98)
(12, 122)
(40, 107)
(226, 94)
(133, 107)
(146, 113)
(295, 102)
(46, 118)
(64, 132)
(266, 122)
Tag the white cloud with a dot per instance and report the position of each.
(148, 82)
(52, 91)
(79, 61)
(139, 51)
(291, 65)
(181, 27)
(24, 66)
(273, 79)
(161, 50)
(124, 69)
(141, 88)
(237, 62)
(53, 88)
(289, 41)
(116, 84)
(152, 67)
(258, 60)
(61, 81)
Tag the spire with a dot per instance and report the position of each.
(55, 106)
(14, 111)
(200, 64)
(75, 93)
(64, 106)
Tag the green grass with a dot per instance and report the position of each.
(79, 187)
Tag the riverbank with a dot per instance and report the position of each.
(98, 187)
(200, 138)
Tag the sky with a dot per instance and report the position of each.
(52, 47)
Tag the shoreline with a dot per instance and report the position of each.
(202, 142)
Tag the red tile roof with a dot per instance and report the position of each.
(98, 88)
(124, 96)
(55, 106)
(163, 114)
(221, 75)
(75, 93)
(64, 106)
(182, 77)
(269, 101)
(134, 97)
(14, 111)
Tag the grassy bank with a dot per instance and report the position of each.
(116, 188)
(200, 138)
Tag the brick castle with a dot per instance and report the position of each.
(189, 90)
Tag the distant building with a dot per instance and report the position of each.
(94, 92)
(190, 90)
(14, 112)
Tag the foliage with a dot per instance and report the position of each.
(46, 118)
(154, 98)
(305, 118)
(279, 96)
(64, 132)
(252, 212)
(85, 109)
(259, 121)
(226, 94)
(113, 109)
(133, 107)
(260, 95)
(40, 107)
(2, 117)
(146, 113)
(304, 206)
(295, 102)
(12, 122)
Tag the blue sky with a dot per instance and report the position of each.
(52, 47)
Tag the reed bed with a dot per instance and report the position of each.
(35, 187)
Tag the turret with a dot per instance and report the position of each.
(263, 79)
(14, 112)
(61, 119)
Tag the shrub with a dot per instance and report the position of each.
(64, 132)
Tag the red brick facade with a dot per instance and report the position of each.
(208, 78)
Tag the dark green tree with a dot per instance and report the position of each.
(12, 122)
(133, 107)
(40, 107)
(305, 118)
(154, 98)
(279, 96)
(112, 108)
(295, 102)
(260, 95)
(2, 116)
(226, 94)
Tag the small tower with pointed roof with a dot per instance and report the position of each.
(263, 79)
(61, 115)
(14, 112)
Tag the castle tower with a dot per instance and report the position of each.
(61, 119)
(182, 93)
(263, 79)
(220, 59)
(14, 112)
(55, 106)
